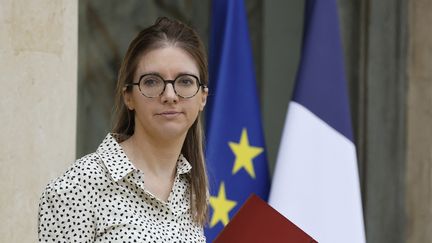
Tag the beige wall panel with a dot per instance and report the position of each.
(38, 78)
(419, 130)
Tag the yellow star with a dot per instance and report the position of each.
(244, 154)
(221, 207)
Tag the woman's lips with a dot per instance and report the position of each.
(169, 114)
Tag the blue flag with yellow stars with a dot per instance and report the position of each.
(235, 154)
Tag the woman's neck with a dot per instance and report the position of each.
(155, 156)
(157, 159)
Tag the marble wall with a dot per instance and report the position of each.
(419, 132)
(38, 77)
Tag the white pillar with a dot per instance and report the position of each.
(38, 79)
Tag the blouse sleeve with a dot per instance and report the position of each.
(64, 215)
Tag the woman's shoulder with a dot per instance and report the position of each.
(85, 172)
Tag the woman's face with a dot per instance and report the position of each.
(168, 116)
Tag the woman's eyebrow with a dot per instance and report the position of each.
(187, 73)
(150, 73)
(160, 75)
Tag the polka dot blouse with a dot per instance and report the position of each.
(103, 198)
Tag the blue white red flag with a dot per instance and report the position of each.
(316, 182)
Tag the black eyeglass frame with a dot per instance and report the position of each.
(167, 81)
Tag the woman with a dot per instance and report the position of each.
(147, 180)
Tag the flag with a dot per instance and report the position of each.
(235, 154)
(316, 183)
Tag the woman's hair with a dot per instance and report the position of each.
(168, 32)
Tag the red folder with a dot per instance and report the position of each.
(256, 221)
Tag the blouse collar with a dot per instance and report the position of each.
(119, 165)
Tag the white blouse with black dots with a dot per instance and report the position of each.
(102, 198)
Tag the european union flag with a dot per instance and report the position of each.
(236, 157)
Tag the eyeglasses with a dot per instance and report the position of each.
(153, 85)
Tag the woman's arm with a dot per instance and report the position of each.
(64, 215)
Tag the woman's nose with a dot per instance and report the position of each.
(169, 95)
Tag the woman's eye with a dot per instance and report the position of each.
(185, 82)
(150, 82)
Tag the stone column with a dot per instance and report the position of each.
(419, 123)
(38, 78)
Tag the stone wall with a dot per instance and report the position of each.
(38, 77)
(419, 128)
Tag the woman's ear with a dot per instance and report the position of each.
(127, 99)
(204, 98)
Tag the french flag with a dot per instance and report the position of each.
(316, 182)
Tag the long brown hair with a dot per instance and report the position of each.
(168, 32)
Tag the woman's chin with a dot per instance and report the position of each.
(172, 131)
